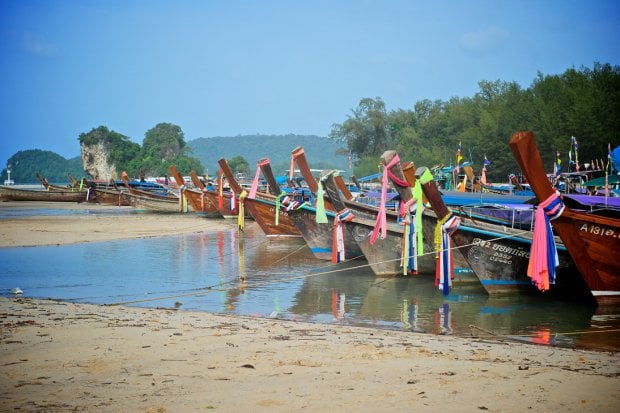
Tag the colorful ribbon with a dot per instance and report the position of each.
(254, 187)
(241, 214)
(381, 223)
(444, 269)
(278, 203)
(321, 215)
(181, 196)
(338, 244)
(544, 251)
(220, 196)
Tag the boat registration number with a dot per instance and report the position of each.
(598, 230)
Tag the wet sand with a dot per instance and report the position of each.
(83, 227)
(57, 356)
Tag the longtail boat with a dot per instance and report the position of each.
(158, 192)
(10, 193)
(223, 200)
(153, 204)
(108, 196)
(396, 252)
(194, 197)
(52, 187)
(592, 238)
(497, 250)
(263, 206)
(207, 204)
(319, 235)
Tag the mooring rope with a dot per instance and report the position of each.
(197, 292)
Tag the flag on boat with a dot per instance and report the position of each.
(459, 158)
(574, 145)
(557, 166)
(483, 177)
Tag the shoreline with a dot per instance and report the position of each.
(60, 356)
(72, 228)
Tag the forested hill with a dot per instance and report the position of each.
(25, 165)
(320, 151)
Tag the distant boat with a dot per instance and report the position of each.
(150, 204)
(263, 207)
(10, 193)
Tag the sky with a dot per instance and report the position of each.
(234, 67)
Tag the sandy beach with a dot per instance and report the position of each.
(59, 356)
(85, 227)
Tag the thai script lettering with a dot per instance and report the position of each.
(502, 253)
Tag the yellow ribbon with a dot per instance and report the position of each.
(241, 215)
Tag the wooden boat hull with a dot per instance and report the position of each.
(201, 204)
(17, 194)
(592, 240)
(594, 243)
(108, 197)
(384, 257)
(263, 211)
(153, 204)
(229, 209)
(319, 236)
(500, 260)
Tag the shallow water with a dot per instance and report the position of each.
(248, 274)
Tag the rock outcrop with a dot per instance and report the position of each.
(95, 160)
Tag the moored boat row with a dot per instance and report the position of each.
(504, 242)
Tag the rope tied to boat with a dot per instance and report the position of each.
(543, 253)
(444, 267)
(381, 222)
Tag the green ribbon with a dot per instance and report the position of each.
(321, 215)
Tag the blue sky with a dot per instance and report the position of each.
(232, 67)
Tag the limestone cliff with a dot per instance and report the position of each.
(95, 160)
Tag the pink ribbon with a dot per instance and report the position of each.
(381, 223)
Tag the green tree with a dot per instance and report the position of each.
(121, 150)
(238, 164)
(366, 132)
(164, 145)
(25, 164)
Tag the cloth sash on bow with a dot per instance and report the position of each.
(338, 245)
(381, 223)
(254, 187)
(409, 254)
(220, 194)
(241, 214)
(543, 253)
(182, 199)
(321, 215)
(444, 265)
(281, 199)
(444, 269)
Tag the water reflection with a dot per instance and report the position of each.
(248, 274)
